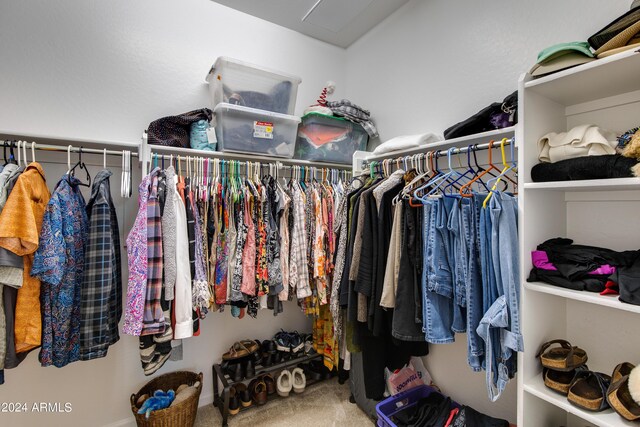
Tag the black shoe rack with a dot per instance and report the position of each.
(221, 399)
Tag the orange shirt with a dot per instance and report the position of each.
(20, 224)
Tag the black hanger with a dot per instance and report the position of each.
(82, 166)
(12, 158)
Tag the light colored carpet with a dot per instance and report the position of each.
(321, 405)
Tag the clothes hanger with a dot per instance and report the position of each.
(19, 144)
(506, 168)
(82, 165)
(450, 176)
(468, 172)
(465, 191)
(104, 159)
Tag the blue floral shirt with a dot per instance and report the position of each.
(59, 263)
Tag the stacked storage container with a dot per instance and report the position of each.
(331, 139)
(253, 108)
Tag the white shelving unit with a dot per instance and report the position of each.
(602, 213)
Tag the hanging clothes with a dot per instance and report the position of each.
(101, 296)
(59, 264)
(20, 225)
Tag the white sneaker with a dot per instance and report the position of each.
(299, 380)
(284, 383)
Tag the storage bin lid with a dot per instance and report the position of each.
(313, 115)
(224, 61)
(226, 107)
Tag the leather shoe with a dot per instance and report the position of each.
(258, 390)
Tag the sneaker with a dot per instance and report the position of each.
(282, 340)
(308, 344)
(296, 343)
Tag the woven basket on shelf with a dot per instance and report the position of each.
(181, 415)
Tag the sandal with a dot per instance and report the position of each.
(560, 381)
(564, 358)
(588, 390)
(619, 394)
(237, 350)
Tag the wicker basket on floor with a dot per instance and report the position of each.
(181, 415)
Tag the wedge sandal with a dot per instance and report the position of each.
(564, 358)
(560, 381)
(619, 393)
(588, 390)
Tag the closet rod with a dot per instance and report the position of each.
(444, 153)
(63, 149)
(281, 163)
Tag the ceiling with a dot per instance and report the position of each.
(339, 22)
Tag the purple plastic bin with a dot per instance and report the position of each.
(401, 401)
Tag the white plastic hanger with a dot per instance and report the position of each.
(104, 159)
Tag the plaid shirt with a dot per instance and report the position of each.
(354, 113)
(299, 267)
(101, 307)
(153, 319)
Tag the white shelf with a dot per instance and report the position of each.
(587, 185)
(463, 141)
(598, 79)
(605, 418)
(611, 301)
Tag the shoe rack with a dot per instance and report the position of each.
(603, 213)
(221, 395)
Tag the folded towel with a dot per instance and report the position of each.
(583, 140)
(405, 142)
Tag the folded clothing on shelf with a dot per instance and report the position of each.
(355, 113)
(561, 263)
(405, 142)
(591, 167)
(498, 115)
(580, 141)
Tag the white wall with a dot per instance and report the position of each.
(103, 71)
(436, 62)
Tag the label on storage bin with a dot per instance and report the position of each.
(263, 130)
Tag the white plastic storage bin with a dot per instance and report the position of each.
(249, 130)
(248, 85)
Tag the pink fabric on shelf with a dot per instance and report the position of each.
(541, 261)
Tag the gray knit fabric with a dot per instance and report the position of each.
(169, 236)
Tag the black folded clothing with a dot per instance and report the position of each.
(469, 417)
(430, 411)
(496, 116)
(589, 167)
(591, 283)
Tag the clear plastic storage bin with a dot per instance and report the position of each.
(249, 130)
(329, 139)
(248, 85)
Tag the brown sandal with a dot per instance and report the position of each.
(236, 351)
(564, 358)
(619, 396)
(588, 390)
(560, 381)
